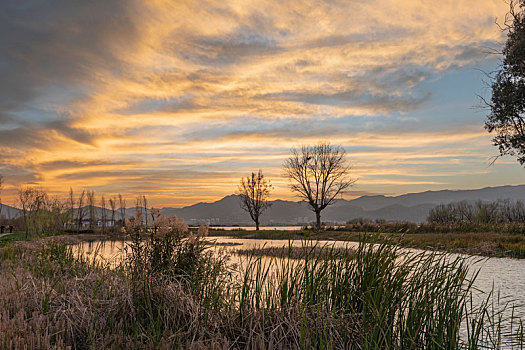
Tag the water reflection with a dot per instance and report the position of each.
(109, 253)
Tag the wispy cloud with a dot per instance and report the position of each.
(178, 99)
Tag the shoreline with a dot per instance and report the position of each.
(487, 244)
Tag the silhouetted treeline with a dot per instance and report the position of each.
(498, 212)
(40, 213)
(503, 216)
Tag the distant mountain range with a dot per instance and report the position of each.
(408, 207)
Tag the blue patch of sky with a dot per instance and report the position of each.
(31, 113)
(454, 101)
(49, 105)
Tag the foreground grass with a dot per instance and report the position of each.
(172, 292)
(491, 244)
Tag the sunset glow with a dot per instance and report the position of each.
(177, 100)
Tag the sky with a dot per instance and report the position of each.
(176, 100)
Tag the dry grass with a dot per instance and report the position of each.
(47, 304)
(294, 252)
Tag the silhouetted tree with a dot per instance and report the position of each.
(80, 209)
(138, 209)
(71, 200)
(318, 174)
(145, 204)
(35, 209)
(91, 207)
(507, 105)
(113, 205)
(122, 203)
(254, 191)
(103, 214)
(25, 197)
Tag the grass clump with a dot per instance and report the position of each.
(374, 297)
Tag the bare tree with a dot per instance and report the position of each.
(35, 207)
(122, 203)
(80, 209)
(113, 205)
(71, 203)
(25, 197)
(91, 207)
(59, 214)
(318, 174)
(254, 191)
(138, 209)
(103, 215)
(155, 216)
(39, 210)
(145, 203)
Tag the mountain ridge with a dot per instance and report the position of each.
(406, 207)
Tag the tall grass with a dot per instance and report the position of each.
(376, 297)
(174, 292)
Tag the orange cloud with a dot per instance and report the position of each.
(178, 99)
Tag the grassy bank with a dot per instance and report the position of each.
(174, 293)
(473, 243)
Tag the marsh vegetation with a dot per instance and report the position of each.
(172, 291)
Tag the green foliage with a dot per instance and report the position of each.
(507, 105)
(57, 260)
(172, 258)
